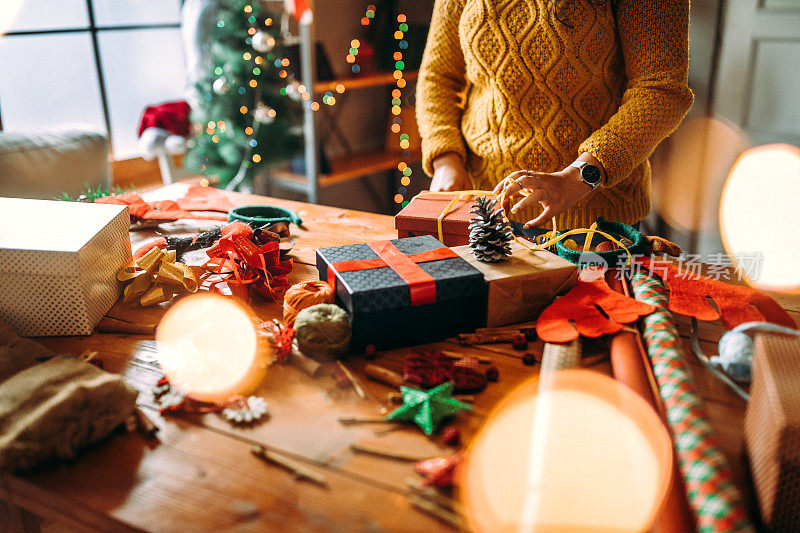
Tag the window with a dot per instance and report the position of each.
(93, 62)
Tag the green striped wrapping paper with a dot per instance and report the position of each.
(714, 498)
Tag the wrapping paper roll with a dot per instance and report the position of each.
(716, 501)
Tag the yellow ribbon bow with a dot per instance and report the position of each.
(155, 278)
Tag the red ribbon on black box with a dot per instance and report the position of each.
(421, 284)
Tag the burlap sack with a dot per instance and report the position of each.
(52, 406)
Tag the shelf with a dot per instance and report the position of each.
(346, 168)
(376, 79)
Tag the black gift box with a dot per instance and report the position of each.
(378, 300)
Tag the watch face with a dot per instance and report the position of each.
(591, 174)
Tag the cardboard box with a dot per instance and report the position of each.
(58, 264)
(381, 303)
(522, 286)
(420, 216)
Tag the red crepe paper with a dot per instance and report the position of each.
(429, 368)
(421, 284)
(172, 116)
(159, 242)
(206, 199)
(161, 210)
(578, 311)
(245, 266)
(737, 304)
(439, 472)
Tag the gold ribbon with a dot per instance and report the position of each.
(156, 277)
(549, 239)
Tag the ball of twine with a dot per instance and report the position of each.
(304, 295)
(323, 330)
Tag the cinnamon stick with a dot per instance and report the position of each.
(383, 375)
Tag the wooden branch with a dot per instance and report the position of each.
(391, 454)
(352, 379)
(113, 325)
(298, 470)
(485, 337)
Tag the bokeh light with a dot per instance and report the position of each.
(572, 451)
(209, 349)
(758, 213)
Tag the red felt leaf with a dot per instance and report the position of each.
(578, 311)
(689, 293)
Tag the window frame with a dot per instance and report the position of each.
(93, 29)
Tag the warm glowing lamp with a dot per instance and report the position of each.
(209, 348)
(9, 13)
(758, 217)
(572, 451)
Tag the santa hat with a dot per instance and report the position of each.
(300, 9)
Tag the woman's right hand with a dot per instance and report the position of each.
(449, 173)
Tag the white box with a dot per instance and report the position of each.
(58, 264)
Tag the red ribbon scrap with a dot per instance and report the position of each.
(241, 264)
(421, 284)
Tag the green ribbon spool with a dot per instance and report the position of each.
(611, 257)
(258, 216)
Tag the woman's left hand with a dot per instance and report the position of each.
(556, 192)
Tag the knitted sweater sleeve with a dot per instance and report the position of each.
(441, 86)
(654, 39)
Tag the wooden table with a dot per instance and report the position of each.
(199, 474)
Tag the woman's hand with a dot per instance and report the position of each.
(556, 192)
(449, 173)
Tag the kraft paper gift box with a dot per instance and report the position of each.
(420, 216)
(772, 430)
(404, 292)
(523, 285)
(58, 264)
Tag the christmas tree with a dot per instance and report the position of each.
(248, 112)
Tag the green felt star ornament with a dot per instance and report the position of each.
(428, 408)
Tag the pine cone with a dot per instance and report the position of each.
(490, 235)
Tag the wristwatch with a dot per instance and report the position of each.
(590, 174)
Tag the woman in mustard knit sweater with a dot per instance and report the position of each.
(564, 98)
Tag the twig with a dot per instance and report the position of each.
(437, 511)
(357, 420)
(298, 470)
(114, 325)
(353, 380)
(145, 425)
(434, 495)
(391, 454)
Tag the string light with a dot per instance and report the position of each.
(397, 103)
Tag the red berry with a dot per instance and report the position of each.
(370, 352)
(519, 342)
(451, 436)
(492, 374)
(528, 359)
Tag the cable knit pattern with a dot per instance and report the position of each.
(507, 87)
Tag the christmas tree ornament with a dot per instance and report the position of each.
(221, 86)
(490, 235)
(262, 42)
(245, 410)
(428, 408)
(264, 114)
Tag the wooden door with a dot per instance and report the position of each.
(758, 82)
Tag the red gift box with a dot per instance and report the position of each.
(423, 213)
